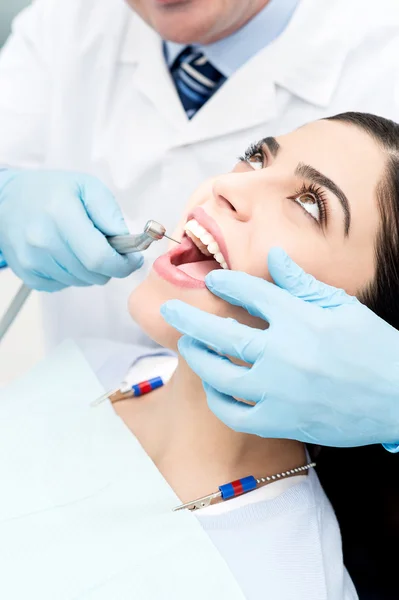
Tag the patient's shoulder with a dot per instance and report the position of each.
(290, 543)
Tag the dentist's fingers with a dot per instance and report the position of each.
(289, 276)
(32, 278)
(61, 265)
(91, 247)
(56, 272)
(275, 422)
(39, 283)
(102, 207)
(68, 262)
(224, 335)
(231, 412)
(217, 371)
(258, 297)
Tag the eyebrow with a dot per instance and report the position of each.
(318, 178)
(272, 144)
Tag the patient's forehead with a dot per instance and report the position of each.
(344, 152)
(334, 142)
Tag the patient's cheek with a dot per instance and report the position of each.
(146, 300)
(144, 307)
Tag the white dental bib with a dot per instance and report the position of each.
(76, 524)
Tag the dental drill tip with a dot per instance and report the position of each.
(169, 238)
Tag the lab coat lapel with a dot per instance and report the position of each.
(309, 70)
(233, 107)
(143, 48)
(230, 109)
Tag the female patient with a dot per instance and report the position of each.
(327, 194)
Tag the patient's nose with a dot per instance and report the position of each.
(231, 193)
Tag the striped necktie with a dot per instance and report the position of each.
(195, 78)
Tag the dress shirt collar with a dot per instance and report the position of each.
(229, 54)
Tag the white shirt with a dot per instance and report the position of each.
(84, 86)
(229, 54)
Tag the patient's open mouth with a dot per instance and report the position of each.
(202, 250)
(205, 242)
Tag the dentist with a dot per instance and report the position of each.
(131, 104)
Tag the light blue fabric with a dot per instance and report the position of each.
(231, 53)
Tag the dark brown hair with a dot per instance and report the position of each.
(382, 296)
(362, 483)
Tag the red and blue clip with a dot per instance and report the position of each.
(241, 486)
(227, 491)
(133, 391)
(144, 387)
(238, 487)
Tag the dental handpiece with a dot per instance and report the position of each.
(136, 242)
(124, 244)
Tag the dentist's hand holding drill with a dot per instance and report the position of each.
(53, 228)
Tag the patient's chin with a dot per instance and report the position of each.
(146, 300)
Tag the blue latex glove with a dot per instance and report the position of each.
(325, 372)
(53, 226)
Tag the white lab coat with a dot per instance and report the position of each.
(84, 86)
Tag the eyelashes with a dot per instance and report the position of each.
(254, 150)
(310, 197)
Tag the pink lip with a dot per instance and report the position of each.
(210, 225)
(163, 265)
(170, 2)
(165, 269)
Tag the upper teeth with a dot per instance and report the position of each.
(205, 241)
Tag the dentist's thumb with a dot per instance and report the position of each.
(287, 275)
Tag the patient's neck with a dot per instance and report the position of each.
(183, 437)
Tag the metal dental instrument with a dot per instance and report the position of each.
(124, 244)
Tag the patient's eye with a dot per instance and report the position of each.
(255, 156)
(312, 201)
(256, 161)
(310, 204)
